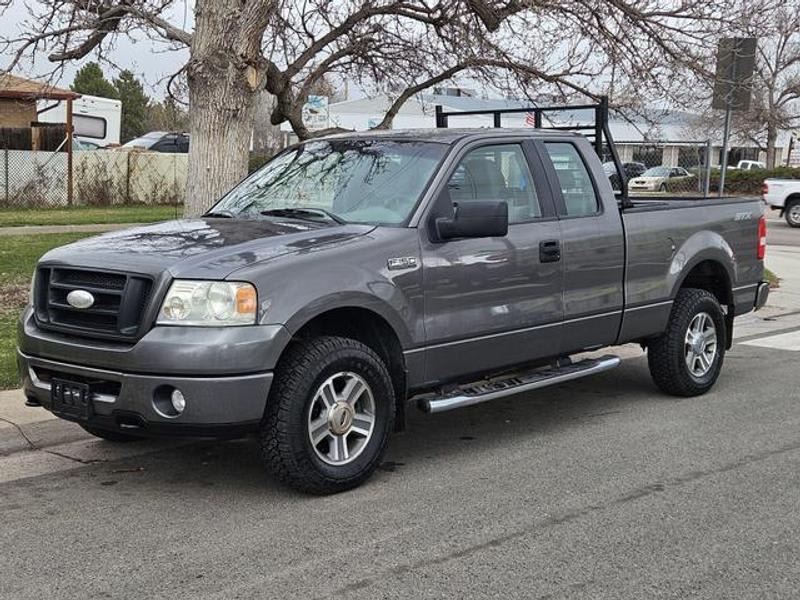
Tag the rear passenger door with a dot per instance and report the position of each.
(593, 246)
(493, 302)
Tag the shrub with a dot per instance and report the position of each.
(743, 183)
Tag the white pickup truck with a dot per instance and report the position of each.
(783, 195)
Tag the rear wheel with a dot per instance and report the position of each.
(328, 417)
(686, 360)
(792, 214)
(112, 436)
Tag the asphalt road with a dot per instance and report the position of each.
(779, 233)
(603, 488)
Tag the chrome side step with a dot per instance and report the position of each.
(498, 388)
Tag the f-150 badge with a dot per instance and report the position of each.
(402, 262)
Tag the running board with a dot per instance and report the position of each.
(484, 391)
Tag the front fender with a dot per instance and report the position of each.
(355, 299)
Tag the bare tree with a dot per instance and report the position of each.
(237, 48)
(776, 80)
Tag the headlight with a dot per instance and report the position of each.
(208, 303)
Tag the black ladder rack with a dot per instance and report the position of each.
(599, 132)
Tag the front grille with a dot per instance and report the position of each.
(120, 300)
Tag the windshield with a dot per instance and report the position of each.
(145, 141)
(656, 172)
(362, 181)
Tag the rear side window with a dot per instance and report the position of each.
(497, 172)
(573, 178)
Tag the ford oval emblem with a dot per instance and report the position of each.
(80, 299)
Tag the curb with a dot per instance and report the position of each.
(25, 428)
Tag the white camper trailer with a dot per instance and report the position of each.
(96, 120)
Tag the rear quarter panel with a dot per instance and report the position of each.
(665, 243)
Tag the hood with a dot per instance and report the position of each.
(201, 248)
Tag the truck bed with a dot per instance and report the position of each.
(667, 237)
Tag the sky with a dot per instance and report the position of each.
(150, 61)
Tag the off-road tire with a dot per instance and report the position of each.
(112, 436)
(666, 354)
(286, 450)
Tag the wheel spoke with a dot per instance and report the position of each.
(690, 357)
(338, 448)
(710, 335)
(353, 391)
(701, 323)
(362, 423)
(319, 429)
(327, 394)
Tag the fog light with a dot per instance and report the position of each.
(178, 401)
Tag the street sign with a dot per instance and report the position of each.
(315, 113)
(733, 86)
(733, 82)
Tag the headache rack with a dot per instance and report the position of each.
(596, 130)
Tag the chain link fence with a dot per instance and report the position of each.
(37, 179)
(664, 167)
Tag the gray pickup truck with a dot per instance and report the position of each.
(359, 272)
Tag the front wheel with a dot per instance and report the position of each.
(687, 358)
(792, 214)
(328, 416)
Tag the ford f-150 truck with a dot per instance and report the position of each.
(783, 195)
(358, 272)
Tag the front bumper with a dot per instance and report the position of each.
(225, 375)
(125, 401)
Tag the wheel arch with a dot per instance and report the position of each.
(371, 326)
(714, 276)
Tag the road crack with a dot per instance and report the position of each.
(24, 435)
(83, 461)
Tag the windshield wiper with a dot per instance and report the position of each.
(223, 214)
(303, 213)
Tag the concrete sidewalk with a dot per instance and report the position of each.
(88, 228)
(784, 261)
(25, 428)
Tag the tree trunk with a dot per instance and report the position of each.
(223, 82)
(772, 140)
(219, 148)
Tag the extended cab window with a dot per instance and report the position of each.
(497, 172)
(573, 178)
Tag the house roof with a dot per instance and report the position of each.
(12, 86)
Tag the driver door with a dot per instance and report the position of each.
(494, 302)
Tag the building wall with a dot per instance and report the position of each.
(17, 113)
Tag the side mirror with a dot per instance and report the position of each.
(487, 218)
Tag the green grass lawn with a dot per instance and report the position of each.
(83, 215)
(774, 280)
(18, 256)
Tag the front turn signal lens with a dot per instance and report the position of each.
(246, 301)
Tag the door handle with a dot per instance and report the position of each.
(549, 251)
